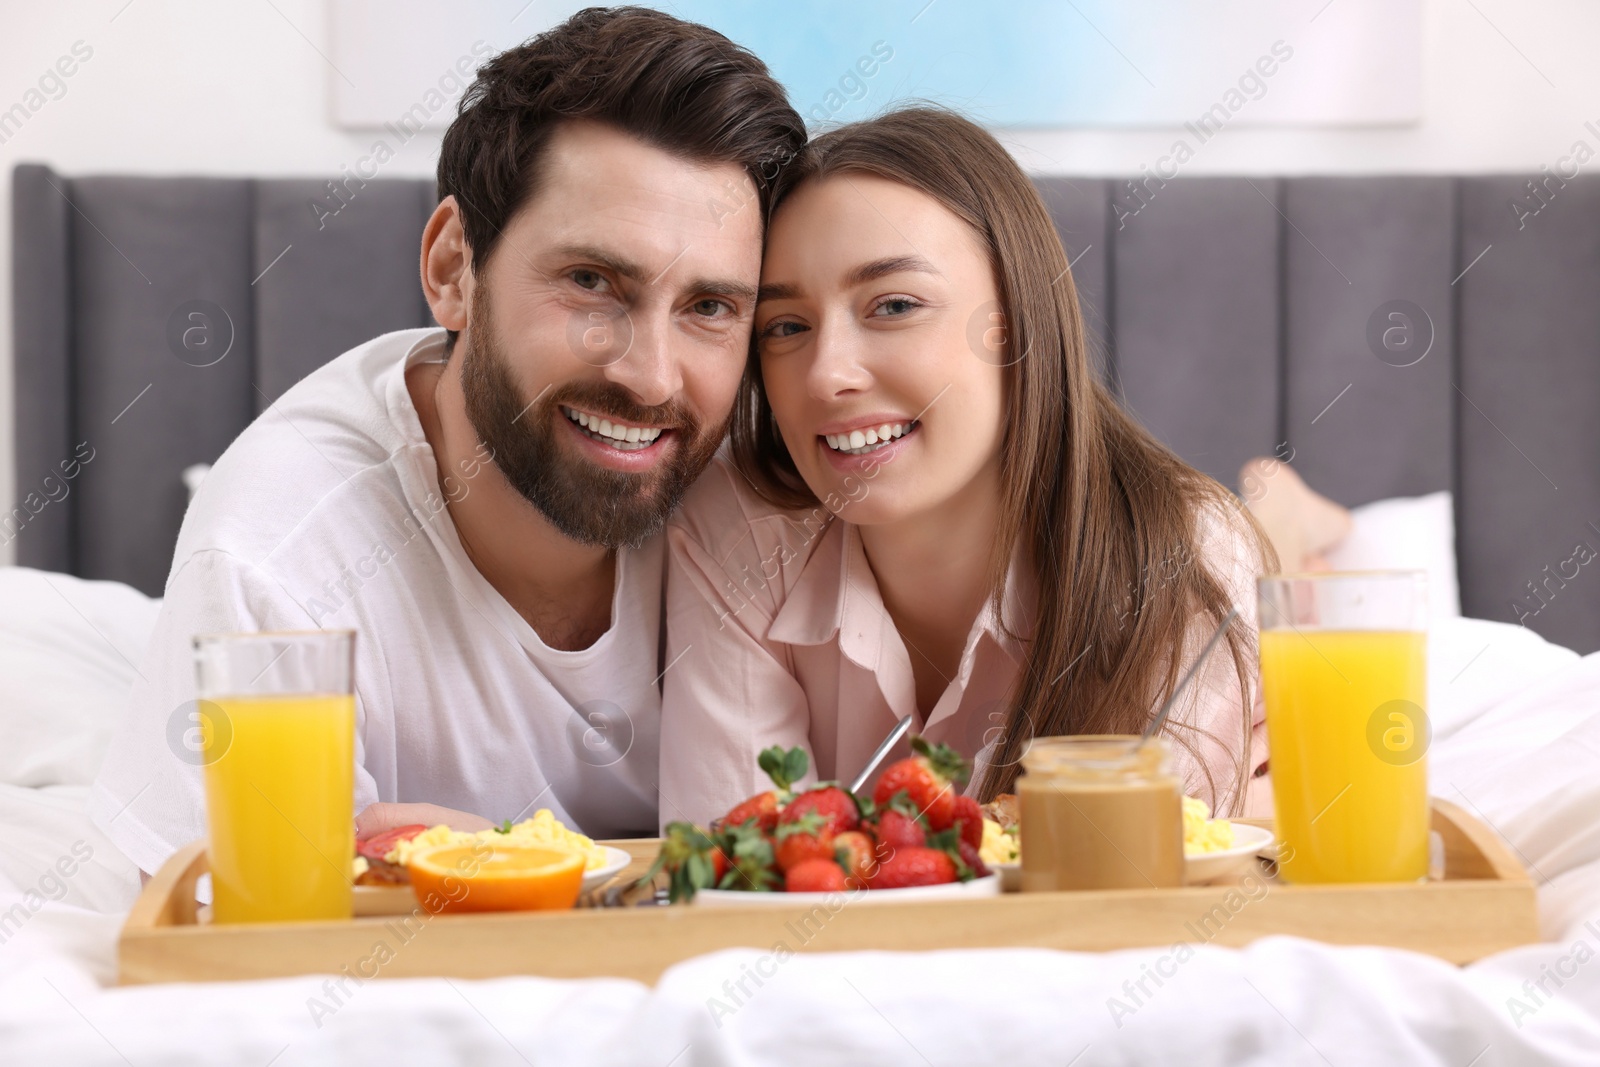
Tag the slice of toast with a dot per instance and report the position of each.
(1003, 809)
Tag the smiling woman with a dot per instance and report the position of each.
(988, 496)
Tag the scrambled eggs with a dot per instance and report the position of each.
(1202, 833)
(998, 845)
(542, 830)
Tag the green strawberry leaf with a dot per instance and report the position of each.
(864, 806)
(949, 842)
(795, 765)
(679, 888)
(808, 823)
(771, 761)
(685, 857)
(752, 846)
(945, 761)
(902, 802)
(784, 767)
(750, 859)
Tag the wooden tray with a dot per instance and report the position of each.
(1484, 903)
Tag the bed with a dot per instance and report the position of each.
(1516, 737)
(1247, 296)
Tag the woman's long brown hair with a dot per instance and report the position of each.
(1105, 513)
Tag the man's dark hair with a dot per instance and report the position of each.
(680, 86)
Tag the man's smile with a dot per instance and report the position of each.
(624, 436)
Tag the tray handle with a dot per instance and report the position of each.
(1472, 849)
(168, 899)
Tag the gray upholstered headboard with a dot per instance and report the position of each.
(1233, 313)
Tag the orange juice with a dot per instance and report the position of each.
(1352, 805)
(279, 799)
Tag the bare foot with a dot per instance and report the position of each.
(1301, 524)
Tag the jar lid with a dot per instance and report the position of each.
(1097, 755)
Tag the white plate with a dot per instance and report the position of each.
(1202, 867)
(1198, 867)
(1010, 875)
(616, 860)
(735, 898)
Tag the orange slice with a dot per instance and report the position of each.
(492, 877)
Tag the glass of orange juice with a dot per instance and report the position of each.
(1344, 674)
(277, 725)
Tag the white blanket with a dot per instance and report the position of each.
(1516, 739)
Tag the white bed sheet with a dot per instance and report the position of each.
(1516, 739)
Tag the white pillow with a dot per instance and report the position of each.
(1406, 533)
(193, 475)
(67, 653)
(1475, 665)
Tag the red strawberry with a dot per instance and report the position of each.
(968, 863)
(969, 856)
(784, 767)
(926, 777)
(763, 808)
(963, 855)
(816, 876)
(802, 839)
(857, 854)
(837, 807)
(897, 830)
(914, 866)
(969, 819)
(799, 848)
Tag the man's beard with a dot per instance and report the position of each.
(589, 503)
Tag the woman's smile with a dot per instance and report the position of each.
(870, 454)
(859, 443)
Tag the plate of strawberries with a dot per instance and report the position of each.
(915, 837)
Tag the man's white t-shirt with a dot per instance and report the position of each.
(328, 513)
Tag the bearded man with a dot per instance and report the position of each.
(482, 503)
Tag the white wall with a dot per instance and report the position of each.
(240, 88)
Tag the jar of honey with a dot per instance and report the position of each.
(1100, 812)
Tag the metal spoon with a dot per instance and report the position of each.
(899, 731)
(1194, 669)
